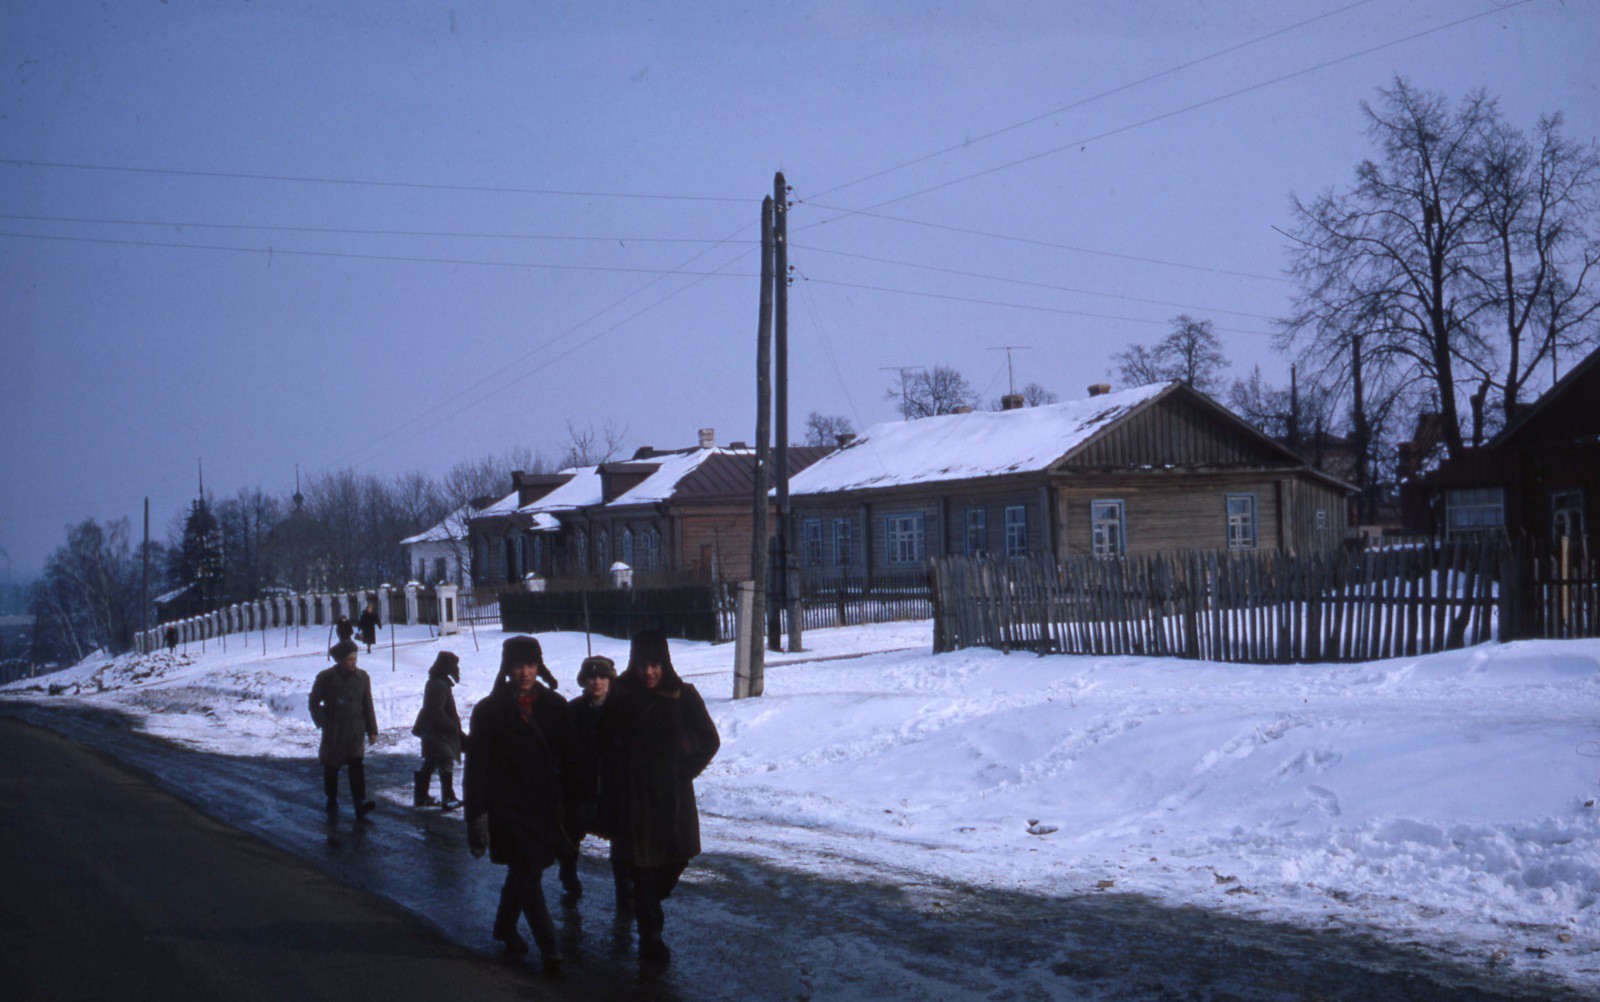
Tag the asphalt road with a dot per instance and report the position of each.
(111, 865)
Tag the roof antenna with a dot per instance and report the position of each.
(1011, 378)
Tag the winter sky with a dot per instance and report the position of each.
(393, 235)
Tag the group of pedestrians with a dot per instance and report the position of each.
(617, 762)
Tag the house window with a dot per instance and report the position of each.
(1241, 521)
(811, 541)
(511, 559)
(1107, 527)
(652, 548)
(974, 532)
(538, 555)
(1475, 511)
(843, 542)
(626, 547)
(602, 550)
(1322, 519)
(583, 552)
(419, 570)
(903, 538)
(438, 569)
(1016, 530)
(1566, 515)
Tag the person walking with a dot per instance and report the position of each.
(370, 625)
(595, 676)
(439, 726)
(343, 628)
(523, 769)
(171, 638)
(341, 705)
(655, 739)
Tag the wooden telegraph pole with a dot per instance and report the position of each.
(788, 566)
(756, 652)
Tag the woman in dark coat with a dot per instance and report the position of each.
(523, 769)
(369, 626)
(342, 627)
(341, 704)
(655, 738)
(439, 726)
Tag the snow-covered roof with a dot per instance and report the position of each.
(504, 506)
(452, 529)
(672, 469)
(962, 446)
(579, 492)
(168, 596)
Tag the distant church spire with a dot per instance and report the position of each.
(299, 499)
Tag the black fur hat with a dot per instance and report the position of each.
(342, 650)
(446, 665)
(649, 647)
(520, 651)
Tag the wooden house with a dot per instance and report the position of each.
(1539, 478)
(1152, 469)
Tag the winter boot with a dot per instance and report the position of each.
(419, 790)
(653, 950)
(571, 885)
(363, 809)
(332, 809)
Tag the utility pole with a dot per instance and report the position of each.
(758, 542)
(905, 405)
(1359, 421)
(1011, 376)
(788, 568)
(144, 596)
(1293, 422)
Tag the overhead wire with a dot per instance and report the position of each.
(1178, 111)
(968, 143)
(370, 183)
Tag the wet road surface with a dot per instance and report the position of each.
(741, 928)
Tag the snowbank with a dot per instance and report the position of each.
(1447, 799)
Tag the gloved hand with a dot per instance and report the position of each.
(478, 835)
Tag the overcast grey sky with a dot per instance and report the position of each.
(568, 196)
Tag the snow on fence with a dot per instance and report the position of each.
(413, 605)
(1266, 607)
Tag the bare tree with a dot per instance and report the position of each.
(1385, 267)
(925, 393)
(1191, 353)
(825, 429)
(587, 447)
(1538, 267)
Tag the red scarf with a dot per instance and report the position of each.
(525, 705)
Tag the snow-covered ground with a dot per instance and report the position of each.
(1447, 800)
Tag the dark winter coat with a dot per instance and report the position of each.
(341, 704)
(369, 627)
(523, 775)
(343, 628)
(438, 723)
(585, 714)
(653, 743)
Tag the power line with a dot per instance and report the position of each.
(966, 143)
(368, 183)
(1047, 243)
(401, 258)
(1035, 285)
(1015, 306)
(349, 231)
(1179, 111)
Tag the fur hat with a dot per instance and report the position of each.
(520, 651)
(596, 666)
(649, 647)
(342, 650)
(446, 665)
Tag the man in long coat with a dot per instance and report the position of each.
(655, 739)
(341, 704)
(523, 770)
(438, 724)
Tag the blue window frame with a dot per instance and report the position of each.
(1241, 521)
(903, 538)
(811, 541)
(1016, 530)
(1108, 528)
(974, 532)
(843, 542)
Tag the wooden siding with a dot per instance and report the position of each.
(1176, 431)
(1164, 514)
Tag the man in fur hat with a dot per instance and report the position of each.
(595, 676)
(523, 769)
(341, 704)
(655, 738)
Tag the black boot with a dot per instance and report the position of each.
(653, 950)
(419, 790)
(332, 809)
(363, 809)
(447, 789)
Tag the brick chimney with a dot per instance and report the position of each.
(708, 438)
(1013, 402)
(961, 409)
(844, 438)
(1099, 389)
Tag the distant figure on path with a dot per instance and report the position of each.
(369, 626)
(439, 726)
(523, 769)
(655, 738)
(594, 678)
(343, 628)
(171, 637)
(341, 704)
